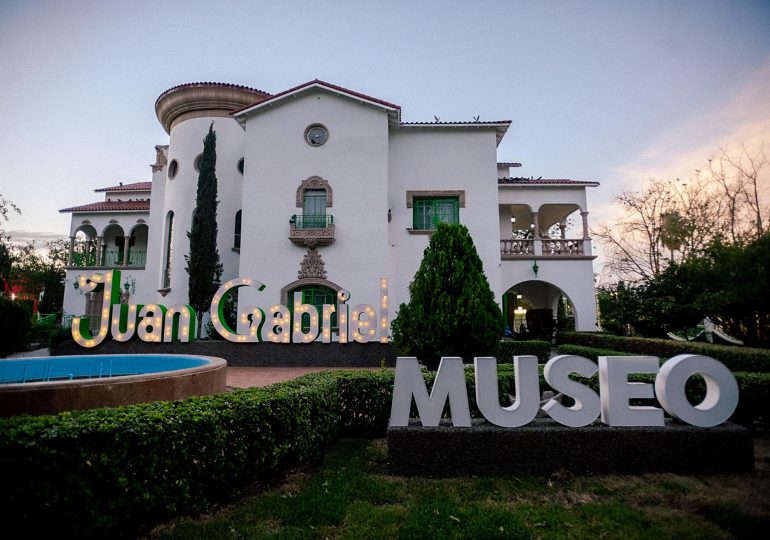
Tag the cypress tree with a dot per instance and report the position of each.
(203, 264)
(451, 310)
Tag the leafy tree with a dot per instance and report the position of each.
(451, 311)
(619, 306)
(728, 283)
(203, 264)
(6, 207)
(41, 272)
(14, 327)
(731, 284)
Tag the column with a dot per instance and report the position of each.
(538, 242)
(126, 241)
(98, 258)
(71, 254)
(584, 215)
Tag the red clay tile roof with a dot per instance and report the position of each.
(467, 123)
(544, 182)
(135, 186)
(330, 86)
(111, 206)
(223, 85)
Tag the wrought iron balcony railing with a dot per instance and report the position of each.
(311, 229)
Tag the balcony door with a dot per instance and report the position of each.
(314, 209)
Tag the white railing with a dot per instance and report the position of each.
(517, 246)
(546, 247)
(562, 246)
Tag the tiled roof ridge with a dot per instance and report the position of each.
(212, 83)
(463, 123)
(110, 206)
(134, 186)
(327, 85)
(541, 180)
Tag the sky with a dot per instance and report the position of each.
(614, 92)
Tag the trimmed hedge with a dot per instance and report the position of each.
(118, 471)
(588, 352)
(735, 358)
(508, 349)
(111, 471)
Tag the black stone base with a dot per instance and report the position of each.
(349, 355)
(545, 446)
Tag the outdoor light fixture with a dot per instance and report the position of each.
(535, 267)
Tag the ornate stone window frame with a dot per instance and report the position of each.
(412, 195)
(315, 182)
(286, 301)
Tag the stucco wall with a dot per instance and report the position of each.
(186, 142)
(354, 161)
(443, 159)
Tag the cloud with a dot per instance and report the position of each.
(24, 237)
(685, 147)
(676, 153)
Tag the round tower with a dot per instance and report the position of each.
(186, 112)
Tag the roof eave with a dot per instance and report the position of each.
(394, 111)
(534, 184)
(501, 127)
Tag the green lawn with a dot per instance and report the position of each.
(350, 495)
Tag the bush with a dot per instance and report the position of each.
(59, 335)
(506, 350)
(119, 471)
(451, 310)
(108, 471)
(14, 327)
(588, 352)
(735, 358)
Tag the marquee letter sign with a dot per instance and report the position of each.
(612, 403)
(156, 323)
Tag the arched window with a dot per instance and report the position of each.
(166, 280)
(237, 234)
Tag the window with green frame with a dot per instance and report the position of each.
(429, 211)
(315, 295)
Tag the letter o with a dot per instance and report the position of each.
(721, 390)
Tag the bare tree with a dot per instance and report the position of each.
(667, 221)
(633, 242)
(745, 188)
(671, 220)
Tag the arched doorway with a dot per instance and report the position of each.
(535, 309)
(315, 292)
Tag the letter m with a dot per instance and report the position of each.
(449, 384)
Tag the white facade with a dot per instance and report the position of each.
(339, 212)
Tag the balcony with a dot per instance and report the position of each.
(311, 230)
(108, 259)
(516, 248)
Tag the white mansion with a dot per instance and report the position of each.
(322, 188)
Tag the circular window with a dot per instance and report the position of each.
(316, 135)
(173, 168)
(240, 165)
(197, 162)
